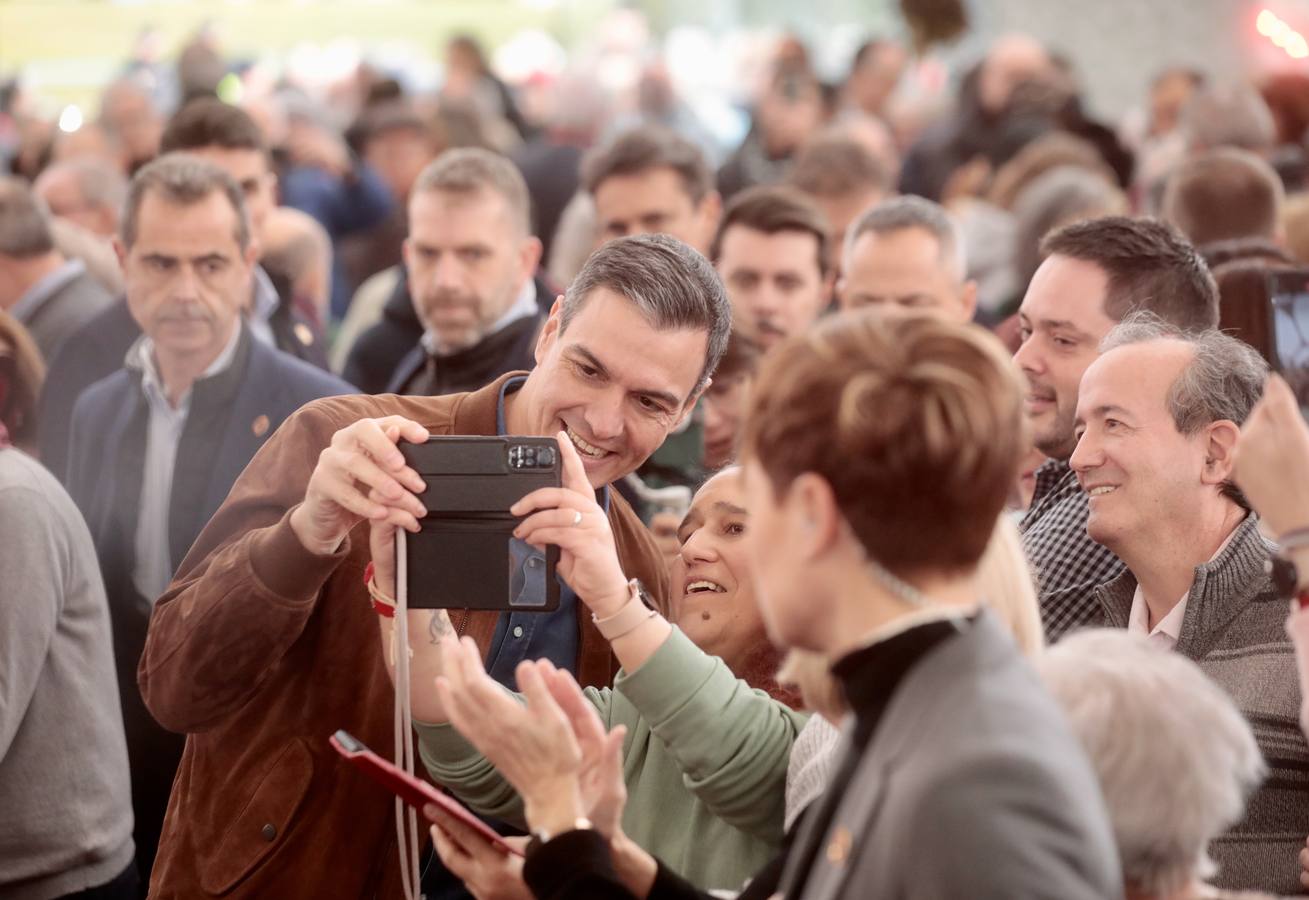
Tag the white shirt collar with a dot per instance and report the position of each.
(1167, 630)
(142, 356)
(524, 305)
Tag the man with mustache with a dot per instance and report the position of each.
(156, 446)
(1095, 274)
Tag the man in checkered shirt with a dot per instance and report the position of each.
(1095, 273)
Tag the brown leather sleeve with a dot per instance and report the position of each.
(245, 590)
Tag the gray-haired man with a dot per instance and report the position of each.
(1158, 416)
(906, 255)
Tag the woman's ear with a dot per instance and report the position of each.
(1219, 452)
(811, 504)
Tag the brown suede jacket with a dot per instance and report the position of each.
(260, 650)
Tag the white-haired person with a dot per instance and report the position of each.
(878, 454)
(1175, 757)
(1272, 469)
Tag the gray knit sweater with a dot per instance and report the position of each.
(65, 804)
(1234, 628)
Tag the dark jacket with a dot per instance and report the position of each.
(382, 349)
(232, 414)
(550, 168)
(97, 349)
(511, 349)
(260, 650)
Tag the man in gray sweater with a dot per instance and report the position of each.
(66, 820)
(1158, 417)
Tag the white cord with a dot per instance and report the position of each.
(407, 838)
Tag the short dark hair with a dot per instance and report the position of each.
(740, 358)
(649, 147)
(390, 117)
(1223, 194)
(183, 179)
(1150, 266)
(209, 122)
(773, 209)
(671, 284)
(835, 166)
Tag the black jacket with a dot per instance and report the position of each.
(378, 354)
(511, 349)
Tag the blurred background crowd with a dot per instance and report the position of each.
(1013, 132)
(407, 187)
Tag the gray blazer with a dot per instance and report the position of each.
(973, 787)
(65, 311)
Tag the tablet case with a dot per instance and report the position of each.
(465, 555)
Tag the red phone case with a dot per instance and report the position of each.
(411, 790)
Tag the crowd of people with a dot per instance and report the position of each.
(931, 524)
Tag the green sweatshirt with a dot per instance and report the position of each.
(704, 761)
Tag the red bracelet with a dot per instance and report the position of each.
(382, 605)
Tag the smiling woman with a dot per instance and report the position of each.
(713, 592)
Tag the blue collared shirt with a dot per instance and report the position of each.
(164, 427)
(531, 635)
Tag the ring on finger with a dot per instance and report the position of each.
(577, 518)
